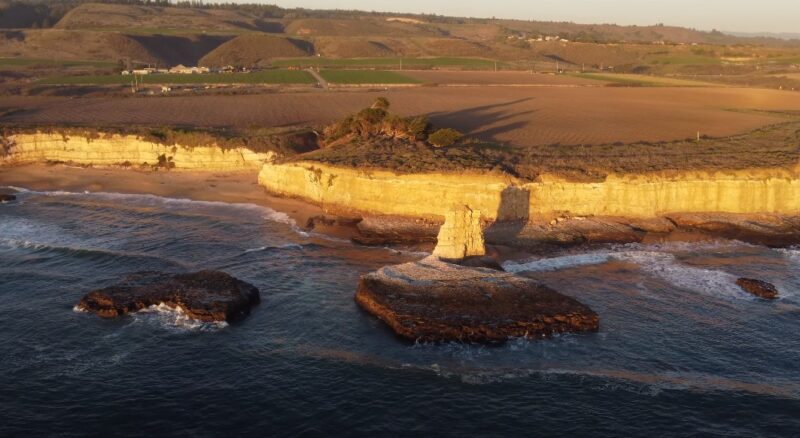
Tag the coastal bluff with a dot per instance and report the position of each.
(759, 205)
(502, 197)
(121, 150)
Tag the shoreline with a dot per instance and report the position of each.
(228, 186)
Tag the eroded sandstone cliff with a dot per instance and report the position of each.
(124, 150)
(503, 198)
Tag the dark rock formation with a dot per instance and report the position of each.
(434, 301)
(205, 295)
(758, 288)
(7, 198)
(388, 230)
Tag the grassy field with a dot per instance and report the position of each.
(684, 59)
(15, 63)
(366, 77)
(471, 63)
(264, 77)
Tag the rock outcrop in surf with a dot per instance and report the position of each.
(208, 296)
(759, 288)
(435, 301)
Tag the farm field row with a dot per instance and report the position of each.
(389, 63)
(520, 116)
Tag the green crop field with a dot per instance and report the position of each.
(395, 63)
(264, 77)
(366, 77)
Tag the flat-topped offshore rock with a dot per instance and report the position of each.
(434, 301)
(759, 288)
(208, 296)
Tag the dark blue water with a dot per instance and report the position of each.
(681, 350)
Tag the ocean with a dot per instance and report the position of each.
(681, 350)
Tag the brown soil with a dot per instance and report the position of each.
(521, 116)
(451, 77)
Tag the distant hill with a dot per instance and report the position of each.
(256, 50)
(772, 35)
(155, 19)
(217, 34)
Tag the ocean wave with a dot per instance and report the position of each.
(558, 263)
(99, 253)
(271, 247)
(176, 318)
(657, 262)
(149, 200)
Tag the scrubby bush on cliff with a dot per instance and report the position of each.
(375, 121)
(444, 137)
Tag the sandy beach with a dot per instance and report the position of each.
(231, 187)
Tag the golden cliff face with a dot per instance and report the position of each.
(116, 150)
(499, 197)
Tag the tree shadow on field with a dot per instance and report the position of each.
(470, 120)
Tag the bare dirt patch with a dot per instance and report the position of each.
(520, 116)
(496, 78)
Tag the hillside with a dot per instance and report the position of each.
(158, 19)
(67, 45)
(256, 50)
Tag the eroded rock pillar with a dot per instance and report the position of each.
(461, 235)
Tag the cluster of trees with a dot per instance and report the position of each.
(376, 121)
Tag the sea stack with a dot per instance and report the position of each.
(439, 299)
(461, 236)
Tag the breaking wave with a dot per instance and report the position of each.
(657, 262)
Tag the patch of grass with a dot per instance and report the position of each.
(263, 77)
(391, 62)
(366, 77)
(685, 59)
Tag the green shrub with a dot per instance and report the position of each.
(444, 137)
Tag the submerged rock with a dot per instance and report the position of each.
(758, 288)
(206, 295)
(461, 235)
(7, 198)
(435, 301)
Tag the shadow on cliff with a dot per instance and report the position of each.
(470, 120)
(512, 215)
